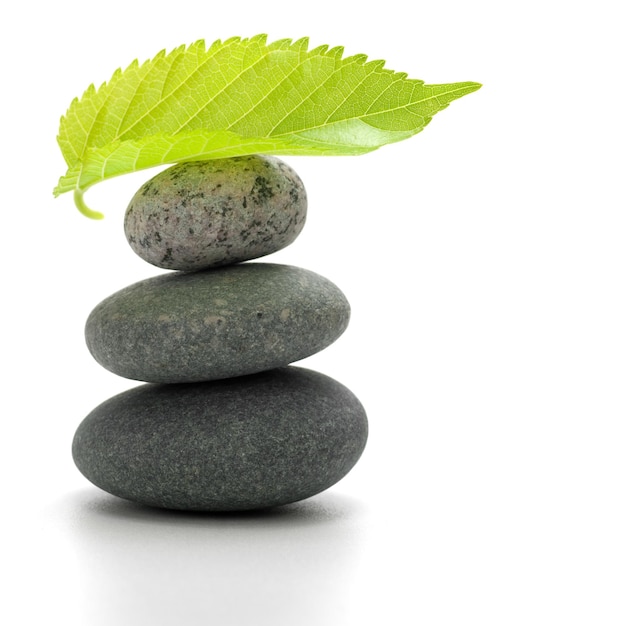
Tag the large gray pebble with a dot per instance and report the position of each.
(211, 213)
(244, 443)
(230, 321)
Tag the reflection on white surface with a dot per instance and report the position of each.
(290, 565)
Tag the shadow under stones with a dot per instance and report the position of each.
(288, 565)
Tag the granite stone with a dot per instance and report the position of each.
(211, 213)
(238, 444)
(212, 324)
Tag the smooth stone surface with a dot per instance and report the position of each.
(211, 213)
(231, 321)
(244, 443)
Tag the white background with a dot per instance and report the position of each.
(485, 263)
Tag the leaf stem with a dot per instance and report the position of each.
(83, 208)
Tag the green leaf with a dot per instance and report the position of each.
(238, 97)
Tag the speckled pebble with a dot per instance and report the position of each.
(211, 213)
(230, 321)
(244, 443)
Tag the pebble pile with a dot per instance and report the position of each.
(224, 423)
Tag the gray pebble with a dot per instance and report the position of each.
(230, 321)
(210, 213)
(244, 443)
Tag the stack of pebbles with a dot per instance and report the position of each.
(224, 423)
